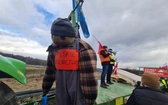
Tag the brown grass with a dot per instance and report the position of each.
(34, 77)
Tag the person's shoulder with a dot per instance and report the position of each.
(150, 93)
(145, 90)
(51, 47)
(84, 44)
(142, 90)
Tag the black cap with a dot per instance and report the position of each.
(62, 27)
(104, 46)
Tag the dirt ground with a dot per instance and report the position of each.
(34, 82)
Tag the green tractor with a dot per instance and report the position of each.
(10, 68)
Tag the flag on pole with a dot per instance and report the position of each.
(97, 46)
(81, 18)
(115, 68)
(100, 47)
(165, 66)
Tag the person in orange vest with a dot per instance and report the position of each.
(105, 60)
(72, 63)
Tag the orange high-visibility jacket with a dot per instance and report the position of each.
(104, 59)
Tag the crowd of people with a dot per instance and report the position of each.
(146, 92)
(72, 63)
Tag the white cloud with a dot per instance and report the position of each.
(22, 46)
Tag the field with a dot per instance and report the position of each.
(34, 77)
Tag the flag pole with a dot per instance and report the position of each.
(72, 17)
(80, 1)
(97, 40)
(95, 37)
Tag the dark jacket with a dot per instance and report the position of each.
(87, 67)
(147, 96)
(104, 54)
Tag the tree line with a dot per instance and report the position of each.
(27, 60)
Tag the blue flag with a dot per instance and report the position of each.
(81, 19)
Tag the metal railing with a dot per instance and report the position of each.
(30, 97)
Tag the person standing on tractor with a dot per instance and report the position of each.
(105, 60)
(72, 63)
(110, 69)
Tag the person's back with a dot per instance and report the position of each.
(148, 93)
(148, 96)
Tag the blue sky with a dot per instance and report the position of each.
(137, 30)
(49, 17)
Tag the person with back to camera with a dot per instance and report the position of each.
(148, 93)
(105, 60)
(72, 63)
